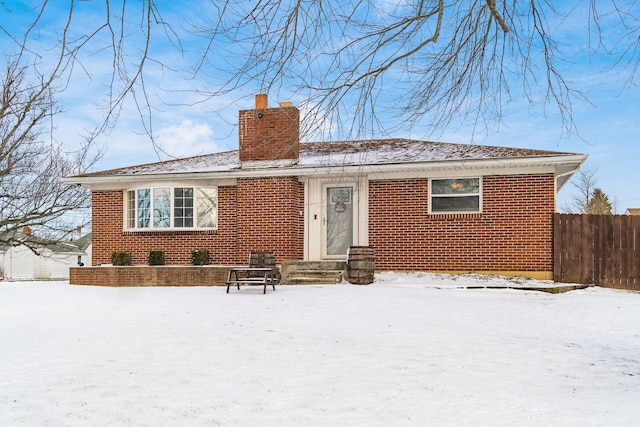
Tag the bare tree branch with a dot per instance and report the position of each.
(448, 62)
(31, 163)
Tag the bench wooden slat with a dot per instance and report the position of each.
(251, 276)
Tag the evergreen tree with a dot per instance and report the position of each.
(599, 203)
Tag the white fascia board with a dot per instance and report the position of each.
(130, 181)
(517, 166)
(553, 164)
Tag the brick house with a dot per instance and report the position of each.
(422, 206)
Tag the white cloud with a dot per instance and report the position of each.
(188, 138)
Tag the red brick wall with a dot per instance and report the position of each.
(149, 276)
(513, 233)
(108, 235)
(274, 136)
(258, 215)
(271, 217)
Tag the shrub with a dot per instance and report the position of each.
(200, 257)
(120, 258)
(156, 258)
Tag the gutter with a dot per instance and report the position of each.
(380, 169)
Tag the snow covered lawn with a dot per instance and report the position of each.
(409, 350)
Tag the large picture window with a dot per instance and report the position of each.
(455, 195)
(172, 207)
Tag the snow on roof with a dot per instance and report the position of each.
(340, 154)
(55, 246)
(398, 151)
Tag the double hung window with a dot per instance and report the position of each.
(172, 208)
(458, 195)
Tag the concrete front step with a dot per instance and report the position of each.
(312, 272)
(310, 279)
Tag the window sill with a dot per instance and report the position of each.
(455, 215)
(130, 232)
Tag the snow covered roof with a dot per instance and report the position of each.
(55, 246)
(340, 154)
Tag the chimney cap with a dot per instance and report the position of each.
(286, 104)
(262, 101)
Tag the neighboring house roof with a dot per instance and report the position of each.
(377, 155)
(71, 247)
(633, 211)
(83, 242)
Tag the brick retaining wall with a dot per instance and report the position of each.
(168, 275)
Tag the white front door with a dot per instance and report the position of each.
(340, 208)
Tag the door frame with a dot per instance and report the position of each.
(315, 214)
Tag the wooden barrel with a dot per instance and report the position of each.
(360, 265)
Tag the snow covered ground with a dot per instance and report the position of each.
(409, 350)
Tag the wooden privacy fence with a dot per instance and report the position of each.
(601, 250)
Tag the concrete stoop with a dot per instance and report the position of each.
(312, 272)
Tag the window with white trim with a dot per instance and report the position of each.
(165, 208)
(455, 195)
(161, 207)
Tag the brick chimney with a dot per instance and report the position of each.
(269, 134)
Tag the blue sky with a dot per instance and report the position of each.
(185, 124)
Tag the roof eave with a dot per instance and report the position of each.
(564, 165)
